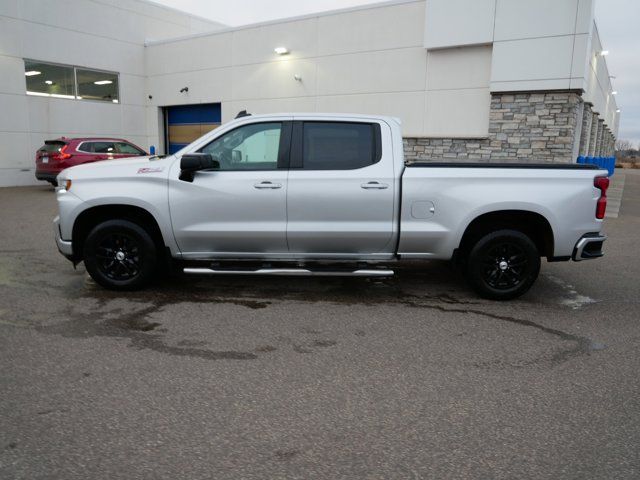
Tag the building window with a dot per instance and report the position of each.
(95, 85)
(66, 81)
(49, 80)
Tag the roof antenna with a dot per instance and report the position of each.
(242, 113)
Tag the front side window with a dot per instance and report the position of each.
(338, 145)
(250, 147)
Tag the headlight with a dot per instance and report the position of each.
(64, 184)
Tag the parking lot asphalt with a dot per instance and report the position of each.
(411, 377)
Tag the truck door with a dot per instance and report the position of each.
(341, 189)
(238, 210)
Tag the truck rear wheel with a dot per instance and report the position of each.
(503, 265)
(120, 255)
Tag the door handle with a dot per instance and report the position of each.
(267, 185)
(374, 186)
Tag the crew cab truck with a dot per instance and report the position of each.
(324, 194)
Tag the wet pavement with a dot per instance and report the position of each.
(240, 377)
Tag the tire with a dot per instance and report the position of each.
(503, 265)
(120, 255)
(53, 183)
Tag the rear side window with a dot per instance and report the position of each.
(98, 147)
(127, 148)
(51, 146)
(339, 145)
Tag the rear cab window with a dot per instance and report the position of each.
(322, 145)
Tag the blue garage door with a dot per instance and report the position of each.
(186, 123)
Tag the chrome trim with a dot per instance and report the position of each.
(301, 272)
(581, 245)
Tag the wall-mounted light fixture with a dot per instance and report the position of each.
(31, 73)
(615, 92)
(184, 90)
(281, 50)
(297, 78)
(618, 111)
(603, 53)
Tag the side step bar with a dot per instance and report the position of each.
(299, 272)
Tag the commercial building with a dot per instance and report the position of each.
(471, 80)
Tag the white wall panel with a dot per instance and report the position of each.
(133, 121)
(466, 67)
(9, 8)
(11, 37)
(38, 108)
(274, 80)
(584, 19)
(380, 28)
(278, 105)
(457, 113)
(525, 63)
(165, 89)
(212, 51)
(18, 119)
(14, 150)
(453, 23)
(517, 19)
(255, 45)
(405, 105)
(387, 71)
(133, 90)
(13, 79)
(212, 85)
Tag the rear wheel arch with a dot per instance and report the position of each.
(91, 217)
(532, 224)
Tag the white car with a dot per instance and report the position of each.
(324, 194)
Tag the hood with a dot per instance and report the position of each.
(119, 168)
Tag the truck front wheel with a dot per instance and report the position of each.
(503, 265)
(120, 255)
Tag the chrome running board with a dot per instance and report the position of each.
(299, 272)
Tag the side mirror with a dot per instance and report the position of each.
(191, 163)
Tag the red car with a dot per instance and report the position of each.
(56, 155)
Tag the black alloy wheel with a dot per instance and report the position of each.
(120, 255)
(503, 264)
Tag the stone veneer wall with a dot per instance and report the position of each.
(523, 127)
(585, 133)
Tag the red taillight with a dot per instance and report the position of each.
(601, 183)
(63, 155)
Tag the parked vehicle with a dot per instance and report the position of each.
(324, 195)
(56, 155)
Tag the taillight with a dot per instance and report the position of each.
(601, 183)
(63, 155)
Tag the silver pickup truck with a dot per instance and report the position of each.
(324, 194)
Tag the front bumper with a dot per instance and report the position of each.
(64, 246)
(589, 247)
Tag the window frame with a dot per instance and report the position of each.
(94, 142)
(284, 147)
(297, 144)
(75, 82)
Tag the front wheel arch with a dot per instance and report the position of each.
(91, 217)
